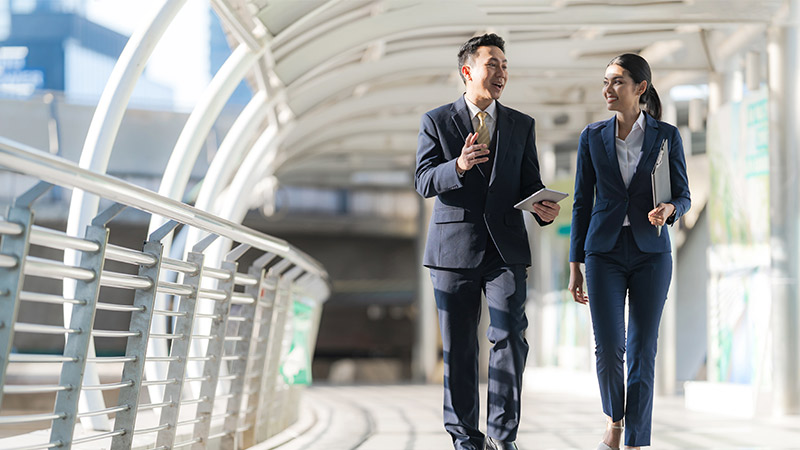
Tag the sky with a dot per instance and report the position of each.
(181, 58)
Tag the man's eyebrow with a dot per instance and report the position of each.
(497, 59)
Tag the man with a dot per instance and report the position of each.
(479, 159)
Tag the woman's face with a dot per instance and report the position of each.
(620, 91)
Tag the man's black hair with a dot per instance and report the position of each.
(471, 47)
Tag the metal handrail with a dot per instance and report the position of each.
(49, 269)
(22, 327)
(60, 240)
(97, 437)
(127, 255)
(39, 446)
(37, 358)
(107, 386)
(33, 389)
(178, 266)
(9, 420)
(167, 287)
(8, 261)
(212, 294)
(47, 298)
(241, 299)
(282, 276)
(119, 308)
(21, 158)
(10, 228)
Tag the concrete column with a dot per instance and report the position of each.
(542, 264)
(716, 82)
(667, 334)
(784, 95)
(426, 348)
(666, 368)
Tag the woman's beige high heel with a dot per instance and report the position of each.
(602, 445)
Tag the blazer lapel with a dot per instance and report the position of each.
(504, 130)
(648, 149)
(463, 121)
(461, 118)
(610, 143)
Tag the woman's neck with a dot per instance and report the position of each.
(625, 121)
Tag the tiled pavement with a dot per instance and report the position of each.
(408, 417)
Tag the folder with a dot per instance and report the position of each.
(659, 178)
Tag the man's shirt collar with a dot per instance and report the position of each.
(473, 110)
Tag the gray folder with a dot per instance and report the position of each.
(659, 178)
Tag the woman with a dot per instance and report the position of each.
(614, 232)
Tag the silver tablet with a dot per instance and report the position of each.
(539, 196)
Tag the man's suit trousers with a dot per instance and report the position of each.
(458, 299)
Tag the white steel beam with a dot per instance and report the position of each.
(95, 156)
(195, 132)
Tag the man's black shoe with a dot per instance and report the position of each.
(494, 444)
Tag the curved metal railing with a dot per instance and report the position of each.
(240, 398)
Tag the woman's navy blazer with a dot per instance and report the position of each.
(602, 200)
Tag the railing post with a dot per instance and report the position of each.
(280, 421)
(82, 319)
(15, 246)
(274, 350)
(243, 349)
(180, 350)
(133, 371)
(258, 357)
(216, 348)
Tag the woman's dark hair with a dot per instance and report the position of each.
(471, 47)
(639, 70)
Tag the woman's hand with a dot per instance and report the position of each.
(576, 283)
(659, 215)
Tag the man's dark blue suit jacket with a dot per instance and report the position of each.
(602, 200)
(469, 210)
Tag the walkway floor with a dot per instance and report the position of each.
(408, 417)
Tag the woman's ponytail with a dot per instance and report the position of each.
(652, 102)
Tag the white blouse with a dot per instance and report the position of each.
(629, 151)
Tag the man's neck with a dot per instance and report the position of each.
(481, 103)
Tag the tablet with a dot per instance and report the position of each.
(541, 195)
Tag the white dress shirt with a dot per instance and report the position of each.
(629, 151)
(491, 118)
(489, 121)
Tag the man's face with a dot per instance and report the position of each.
(486, 73)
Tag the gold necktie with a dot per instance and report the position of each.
(483, 130)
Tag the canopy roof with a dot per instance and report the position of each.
(351, 78)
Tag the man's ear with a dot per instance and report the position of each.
(465, 71)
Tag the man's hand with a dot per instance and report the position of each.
(659, 215)
(547, 211)
(471, 154)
